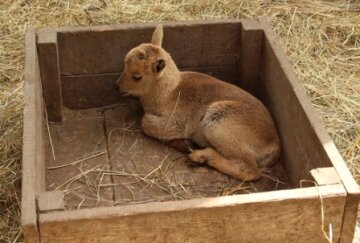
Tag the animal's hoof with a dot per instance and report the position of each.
(193, 164)
(198, 156)
(181, 145)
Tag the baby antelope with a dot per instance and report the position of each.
(233, 129)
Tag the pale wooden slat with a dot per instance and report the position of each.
(29, 181)
(282, 216)
(325, 176)
(50, 201)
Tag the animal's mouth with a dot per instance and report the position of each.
(124, 93)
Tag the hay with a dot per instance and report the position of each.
(329, 237)
(76, 161)
(322, 40)
(137, 169)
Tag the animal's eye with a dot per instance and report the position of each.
(137, 77)
(140, 56)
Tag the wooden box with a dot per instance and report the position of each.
(69, 76)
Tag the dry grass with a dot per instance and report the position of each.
(322, 40)
(89, 178)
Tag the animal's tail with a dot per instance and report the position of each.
(270, 157)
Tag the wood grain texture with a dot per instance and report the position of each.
(76, 140)
(191, 44)
(89, 91)
(29, 184)
(97, 90)
(50, 74)
(282, 216)
(251, 48)
(41, 132)
(311, 135)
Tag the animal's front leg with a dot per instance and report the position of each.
(161, 127)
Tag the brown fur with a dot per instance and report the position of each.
(234, 128)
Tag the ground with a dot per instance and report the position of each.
(321, 38)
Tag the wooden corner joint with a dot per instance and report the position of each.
(47, 47)
(325, 176)
(251, 25)
(50, 201)
(46, 36)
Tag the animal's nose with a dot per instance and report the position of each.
(117, 82)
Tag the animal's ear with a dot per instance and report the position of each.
(157, 36)
(159, 65)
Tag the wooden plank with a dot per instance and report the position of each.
(325, 176)
(281, 216)
(29, 184)
(90, 91)
(251, 48)
(40, 129)
(226, 73)
(276, 69)
(96, 90)
(191, 44)
(50, 74)
(352, 188)
(350, 217)
(80, 159)
(51, 201)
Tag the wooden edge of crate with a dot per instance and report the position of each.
(223, 201)
(325, 176)
(252, 36)
(101, 28)
(47, 46)
(28, 203)
(352, 188)
(121, 219)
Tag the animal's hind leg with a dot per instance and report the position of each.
(244, 167)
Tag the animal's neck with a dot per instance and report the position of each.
(158, 96)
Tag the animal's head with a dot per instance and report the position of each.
(144, 64)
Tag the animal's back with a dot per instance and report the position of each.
(198, 91)
(197, 83)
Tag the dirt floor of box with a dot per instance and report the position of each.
(102, 158)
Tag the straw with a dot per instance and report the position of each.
(321, 38)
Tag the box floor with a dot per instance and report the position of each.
(102, 158)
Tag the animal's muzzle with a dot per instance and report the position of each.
(116, 85)
(117, 82)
